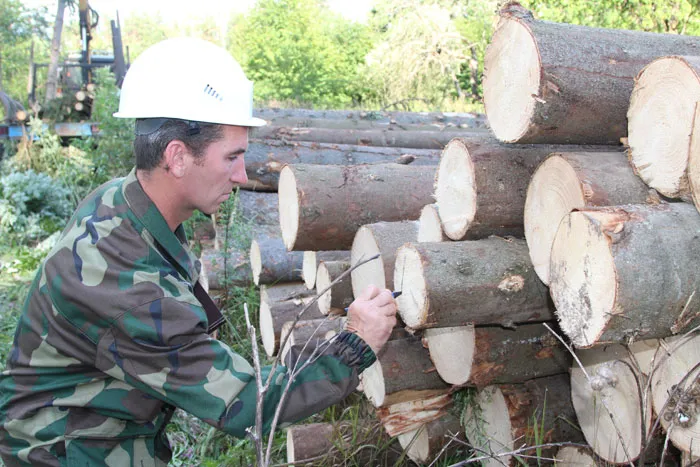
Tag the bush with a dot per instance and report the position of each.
(32, 206)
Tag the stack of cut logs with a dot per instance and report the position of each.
(570, 225)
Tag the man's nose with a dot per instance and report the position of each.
(239, 176)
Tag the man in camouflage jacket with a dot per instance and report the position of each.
(112, 337)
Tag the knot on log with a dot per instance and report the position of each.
(604, 378)
(683, 405)
(512, 284)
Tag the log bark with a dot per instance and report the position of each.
(312, 259)
(254, 211)
(483, 356)
(426, 443)
(340, 296)
(661, 118)
(488, 281)
(501, 419)
(308, 333)
(382, 238)
(375, 137)
(626, 272)
(567, 181)
(403, 372)
(608, 403)
(323, 444)
(480, 185)
(271, 263)
(694, 159)
(564, 83)
(322, 207)
(423, 118)
(675, 387)
(266, 158)
(276, 308)
(429, 226)
(479, 122)
(407, 416)
(226, 268)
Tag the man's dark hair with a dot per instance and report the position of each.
(148, 148)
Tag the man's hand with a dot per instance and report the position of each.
(372, 316)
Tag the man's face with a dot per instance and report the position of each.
(212, 177)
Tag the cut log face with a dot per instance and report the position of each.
(382, 238)
(322, 207)
(429, 226)
(615, 432)
(338, 297)
(535, 92)
(481, 185)
(487, 355)
(272, 263)
(488, 281)
(571, 456)
(675, 389)
(424, 444)
(313, 258)
(568, 181)
(502, 417)
(307, 333)
(661, 112)
(404, 417)
(402, 372)
(605, 270)
(514, 63)
(694, 159)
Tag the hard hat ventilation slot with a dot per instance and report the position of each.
(210, 91)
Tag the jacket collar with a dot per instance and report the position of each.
(174, 243)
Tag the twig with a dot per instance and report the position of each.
(256, 434)
(516, 452)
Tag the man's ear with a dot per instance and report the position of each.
(175, 158)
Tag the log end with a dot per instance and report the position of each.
(372, 380)
(572, 456)
(487, 426)
(609, 402)
(413, 303)
(660, 120)
(255, 261)
(511, 80)
(694, 160)
(267, 331)
(308, 269)
(554, 191)
(452, 351)
(429, 227)
(372, 273)
(323, 280)
(416, 444)
(675, 388)
(583, 279)
(288, 207)
(455, 189)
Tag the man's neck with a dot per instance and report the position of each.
(163, 195)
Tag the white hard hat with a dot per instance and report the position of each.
(188, 79)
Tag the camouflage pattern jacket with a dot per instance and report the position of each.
(111, 339)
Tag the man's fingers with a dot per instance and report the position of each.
(384, 298)
(369, 293)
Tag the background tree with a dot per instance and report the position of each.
(52, 74)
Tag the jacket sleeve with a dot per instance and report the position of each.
(162, 348)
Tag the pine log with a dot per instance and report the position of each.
(264, 159)
(340, 296)
(608, 403)
(480, 185)
(364, 124)
(482, 356)
(254, 211)
(322, 207)
(308, 333)
(312, 259)
(626, 272)
(271, 263)
(501, 419)
(488, 281)
(694, 159)
(661, 116)
(407, 416)
(276, 309)
(403, 372)
(342, 443)
(564, 83)
(226, 268)
(573, 456)
(675, 389)
(424, 118)
(374, 137)
(426, 443)
(575, 180)
(429, 226)
(382, 238)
